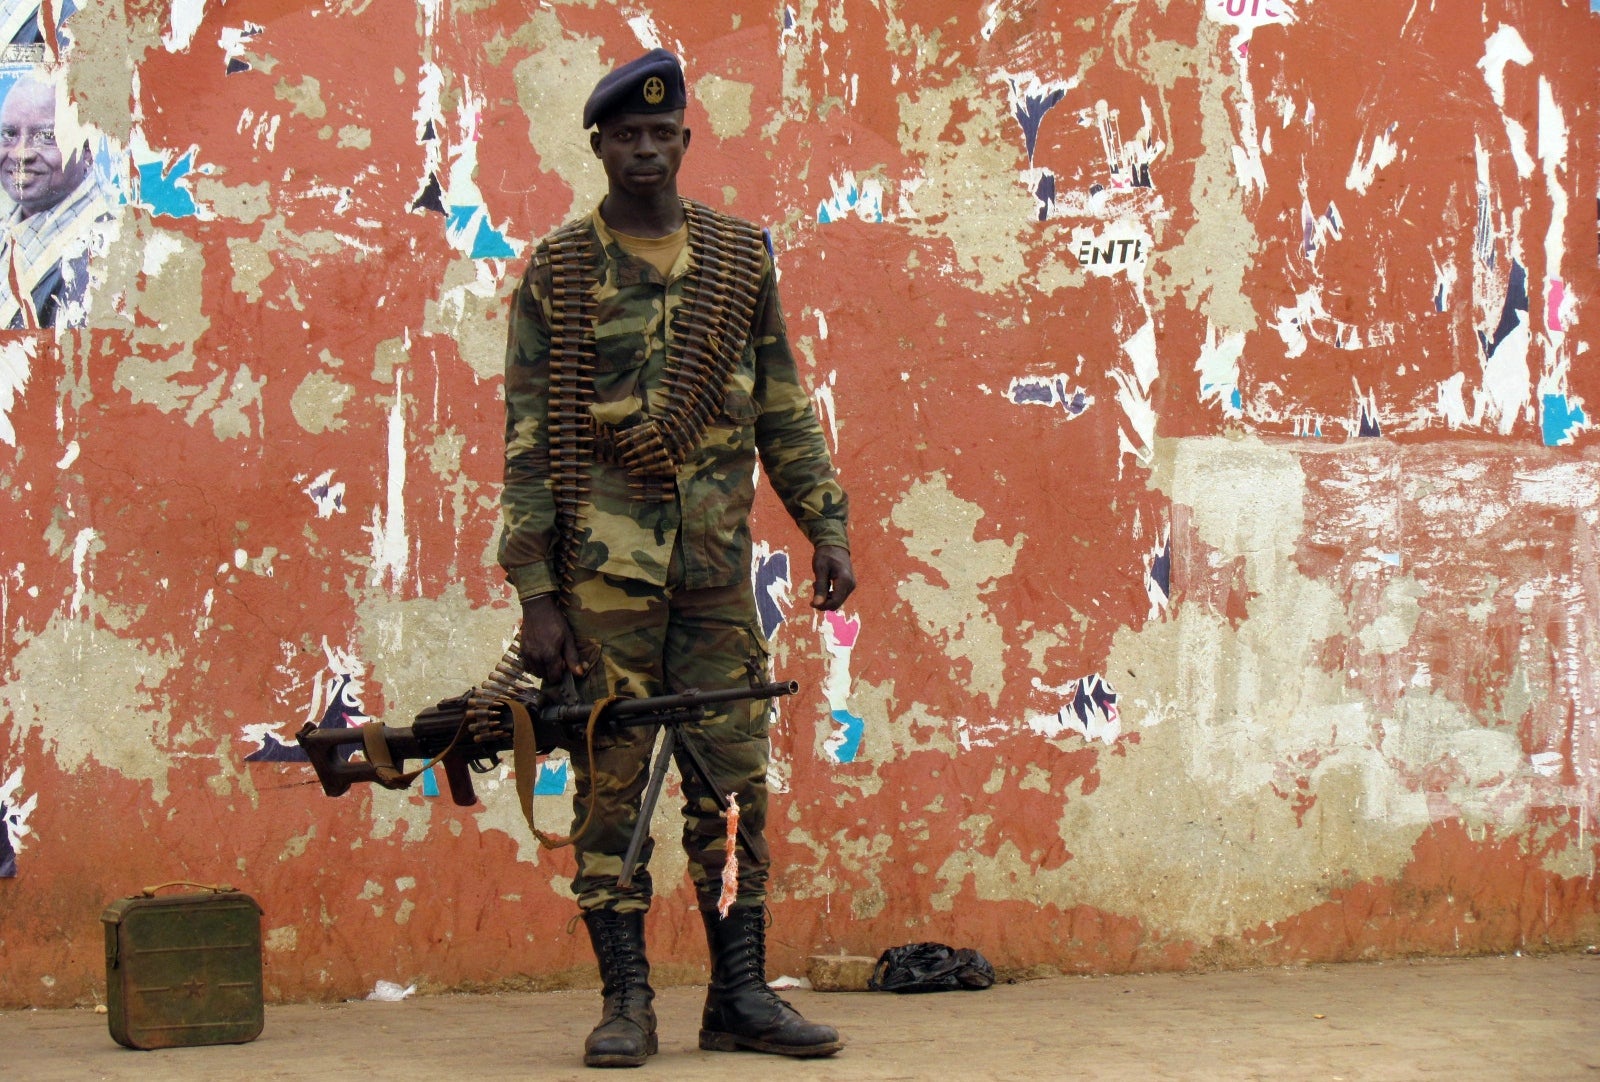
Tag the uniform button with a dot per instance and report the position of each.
(639, 355)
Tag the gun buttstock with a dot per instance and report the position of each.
(322, 748)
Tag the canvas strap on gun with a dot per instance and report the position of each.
(389, 776)
(524, 760)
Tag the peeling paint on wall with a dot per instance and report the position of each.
(16, 361)
(335, 701)
(770, 579)
(15, 808)
(1089, 709)
(839, 633)
(1049, 391)
(1216, 411)
(863, 200)
(163, 187)
(126, 732)
(950, 606)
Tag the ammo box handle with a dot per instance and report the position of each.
(150, 892)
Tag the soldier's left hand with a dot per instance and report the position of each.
(835, 578)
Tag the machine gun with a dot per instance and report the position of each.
(510, 712)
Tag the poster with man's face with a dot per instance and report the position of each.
(55, 197)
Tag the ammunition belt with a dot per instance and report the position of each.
(569, 252)
(709, 330)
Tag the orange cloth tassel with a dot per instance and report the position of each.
(730, 866)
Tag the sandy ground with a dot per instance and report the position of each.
(1535, 1018)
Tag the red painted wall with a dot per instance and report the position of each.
(1212, 382)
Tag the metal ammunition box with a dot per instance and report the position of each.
(183, 969)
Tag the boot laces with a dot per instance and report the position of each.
(624, 989)
(757, 972)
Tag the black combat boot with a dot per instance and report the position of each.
(626, 1034)
(741, 1011)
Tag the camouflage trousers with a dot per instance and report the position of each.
(650, 640)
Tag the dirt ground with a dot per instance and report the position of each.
(1521, 1017)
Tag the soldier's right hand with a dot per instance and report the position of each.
(548, 648)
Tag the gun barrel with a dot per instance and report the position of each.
(647, 711)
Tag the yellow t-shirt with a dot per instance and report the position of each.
(660, 252)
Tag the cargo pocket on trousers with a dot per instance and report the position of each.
(596, 684)
(760, 663)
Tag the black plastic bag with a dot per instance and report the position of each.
(930, 967)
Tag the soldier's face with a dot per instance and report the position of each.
(33, 169)
(641, 152)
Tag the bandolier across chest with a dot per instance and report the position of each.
(710, 329)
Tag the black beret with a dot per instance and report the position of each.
(651, 84)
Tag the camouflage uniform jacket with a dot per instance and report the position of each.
(764, 410)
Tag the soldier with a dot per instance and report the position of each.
(648, 367)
